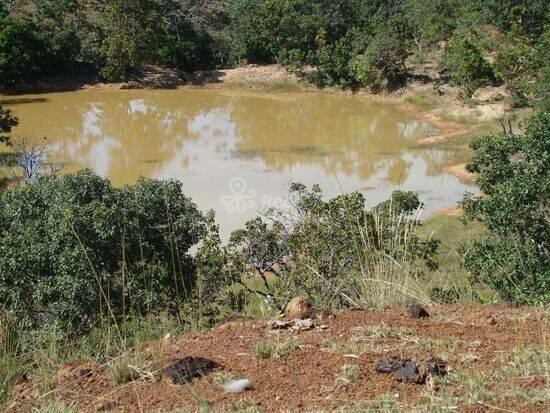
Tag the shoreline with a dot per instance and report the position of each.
(274, 78)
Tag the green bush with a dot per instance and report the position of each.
(186, 47)
(466, 65)
(514, 177)
(331, 250)
(7, 122)
(21, 52)
(130, 28)
(74, 249)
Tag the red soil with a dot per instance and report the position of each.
(304, 379)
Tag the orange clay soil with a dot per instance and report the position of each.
(474, 340)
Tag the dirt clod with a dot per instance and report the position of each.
(388, 364)
(417, 311)
(409, 370)
(182, 371)
(297, 308)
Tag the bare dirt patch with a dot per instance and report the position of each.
(494, 348)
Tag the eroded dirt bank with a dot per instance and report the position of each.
(495, 358)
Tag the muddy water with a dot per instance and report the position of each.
(236, 152)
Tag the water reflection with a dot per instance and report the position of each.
(207, 138)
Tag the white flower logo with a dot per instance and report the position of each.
(240, 199)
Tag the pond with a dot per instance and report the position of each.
(237, 151)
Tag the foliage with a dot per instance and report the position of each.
(353, 43)
(74, 248)
(325, 248)
(21, 52)
(185, 47)
(466, 65)
(513, 175)
(7, 122)
(130, 27)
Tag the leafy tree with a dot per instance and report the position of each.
(186, 47)
(20, 51)
(324, 248)
(466, 65)
(75, 249)
(514, 177)
(130, 28)
(7, 122)
(430, 21)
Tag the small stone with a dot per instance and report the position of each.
(409, 372)
(388, 364)
(236, 386)
(297, 308)
(417, 311)
(434, 366)
(182, 371)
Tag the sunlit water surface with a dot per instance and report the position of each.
(236, 152)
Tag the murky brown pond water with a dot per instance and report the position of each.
(236, 151)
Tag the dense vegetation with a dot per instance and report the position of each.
(353, 43)
(78, 256)
(7, 122)
(513, 173)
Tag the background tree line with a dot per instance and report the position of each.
(353, 43)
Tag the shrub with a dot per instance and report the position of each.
(335, 251)
(466, 65)
(74, 248)
(186, 47)
(21, 53)
(7, 122)
(130, 28)
(513, 175)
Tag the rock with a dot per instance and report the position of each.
(182, 371)
(417, 311)
(236, 386)
(297, 308)
(489, 94)
(295, 325)
(434, 366)
(388, 364)
(409, 370)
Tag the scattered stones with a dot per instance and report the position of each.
(236, 386)
(417, 311)
(408, 370)
(297, 308)
(182, 371)
(295, 325)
